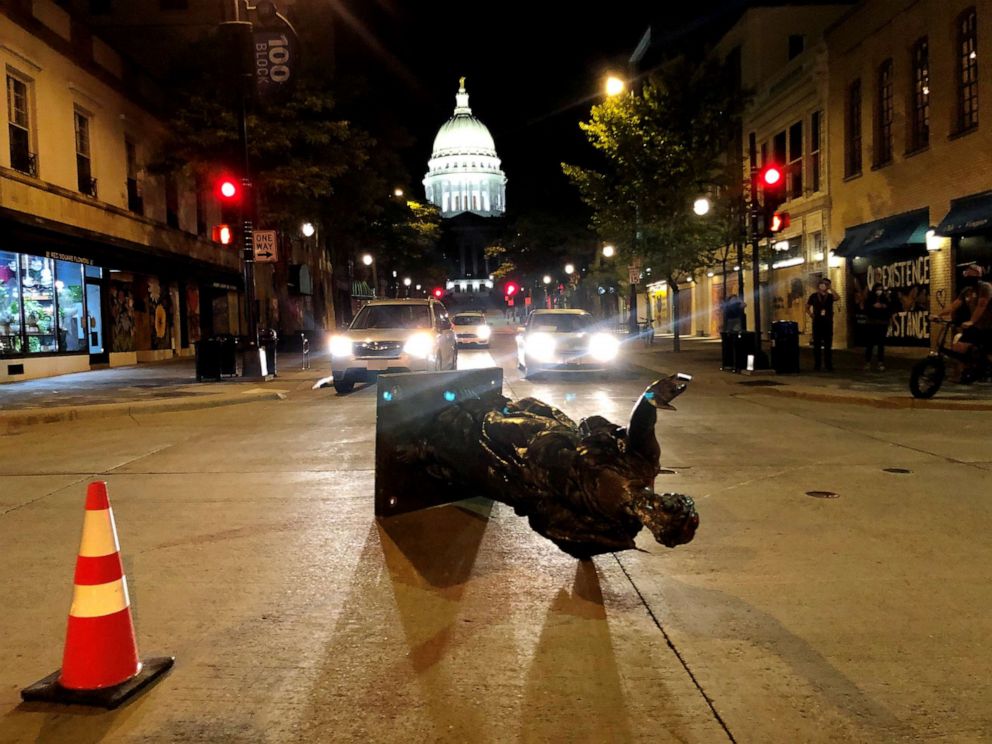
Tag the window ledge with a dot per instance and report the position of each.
(962, 132)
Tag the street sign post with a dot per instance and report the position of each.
(265, 247)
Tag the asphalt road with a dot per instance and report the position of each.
(252, 555)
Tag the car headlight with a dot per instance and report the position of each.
(340, 346)
(420, 345)
(541, 346)
(484, 332)
(603, 347)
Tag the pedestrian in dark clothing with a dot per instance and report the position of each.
(820, 308)
(878, 309)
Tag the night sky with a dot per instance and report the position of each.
(530, 78)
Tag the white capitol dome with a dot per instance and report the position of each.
(463, 174)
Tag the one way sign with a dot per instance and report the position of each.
(265, 246)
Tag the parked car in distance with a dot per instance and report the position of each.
(393, 336)
(472, 328)
(565, 340)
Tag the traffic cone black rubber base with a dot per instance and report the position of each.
(48, 690)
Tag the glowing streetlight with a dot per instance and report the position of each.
(609, 251)
(701, 206)
(407, 282)
(367, 259)
(614, 85)
(569, 268)
(547, 279)
(308, 229)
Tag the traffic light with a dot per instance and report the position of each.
(228, 190)
(223, 234)
(771, 182)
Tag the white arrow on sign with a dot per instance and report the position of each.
(264, 246)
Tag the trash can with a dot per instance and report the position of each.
(207, 359)
(785, 347)
(267, 338)
(227, 352)
(743, 347)
(727, 350)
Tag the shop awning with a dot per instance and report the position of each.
(968, 215)
(909, 228)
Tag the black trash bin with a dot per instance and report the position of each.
(208, 359)
(267, 338)
(785, 347)
(227, 350)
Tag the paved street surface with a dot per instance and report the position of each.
(253, 556)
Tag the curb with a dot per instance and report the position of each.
(12, 421)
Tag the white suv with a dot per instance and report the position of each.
(393, 336)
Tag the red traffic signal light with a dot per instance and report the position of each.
(779, 221)
(222, 234)
(228, 189)
(771, 176)
(511, 289)
(439, 293)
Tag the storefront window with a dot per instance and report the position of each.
(71, 306)
(10, 305)
(38, 294)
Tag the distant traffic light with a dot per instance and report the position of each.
(771, 182)
(228, 190)
(222, 234)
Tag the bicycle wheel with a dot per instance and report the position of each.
(926, 377)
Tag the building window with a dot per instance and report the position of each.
(967, 71)
(853, 133)
(134, 201)
(815, 120)
(171, 200)
(797, 45)
(84, 167)
(19, 127)
(919, 132)
(883, 123)
(795, 168)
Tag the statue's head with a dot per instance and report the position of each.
(671, 517)
(661, 393)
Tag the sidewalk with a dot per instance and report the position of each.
(848, 383)
(144, 388)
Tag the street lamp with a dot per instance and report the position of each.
(701, 206)
(614, 85)
(609, 251)
(308, 229)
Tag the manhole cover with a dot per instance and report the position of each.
(760, 383)
(822, 494)
(901, 471)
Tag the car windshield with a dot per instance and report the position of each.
(561, 322)
(392, 316)
(463, 320)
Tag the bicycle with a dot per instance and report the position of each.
(928, 374)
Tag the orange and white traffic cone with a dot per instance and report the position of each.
(100, 663)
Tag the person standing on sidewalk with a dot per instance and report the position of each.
(820, 308)
(878, 310)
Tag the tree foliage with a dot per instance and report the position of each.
(660, 148)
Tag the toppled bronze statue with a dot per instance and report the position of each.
(587, 487)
